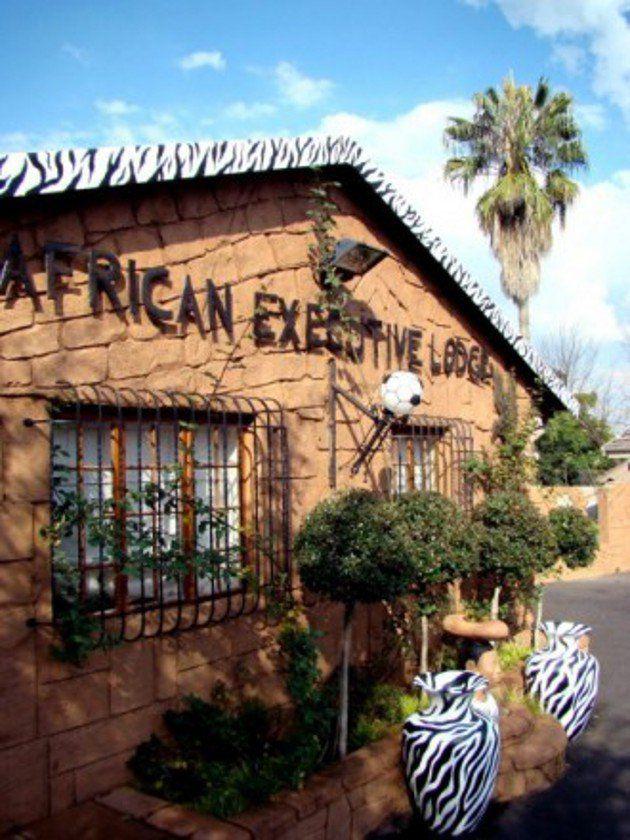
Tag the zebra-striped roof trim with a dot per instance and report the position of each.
(43, 173)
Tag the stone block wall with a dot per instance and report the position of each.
(66, 733)
(610, 506)
(361, 794)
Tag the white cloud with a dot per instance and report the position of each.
(15, 141)
(300, 90)
(571, 56)
(586, 272)
(249, 111)
(591, 115)
(78, 53)
(194, 60)
(584, 279)
(600, 28)
(25, 141)
(115, 107)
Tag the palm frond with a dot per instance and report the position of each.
(464, 169)
(572, 155)
(542, 93)
(561, 192)
(460, 131)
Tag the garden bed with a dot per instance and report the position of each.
(356, 796)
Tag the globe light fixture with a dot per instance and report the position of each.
(401, 393)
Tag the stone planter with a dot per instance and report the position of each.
(532, 753)
(358, 795)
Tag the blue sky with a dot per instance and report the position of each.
(79, 74)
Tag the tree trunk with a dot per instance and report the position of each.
(538, 619)
(424, 643)
(455, 591)
(494, 609)
(346, 643)
(523, 318)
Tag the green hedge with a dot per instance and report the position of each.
(576, 536)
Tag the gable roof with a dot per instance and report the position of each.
(620, 445)
(44, 173)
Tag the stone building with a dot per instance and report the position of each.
(161, 330)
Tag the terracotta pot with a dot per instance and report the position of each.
(451, 753)
(491, 630)
(564, 677)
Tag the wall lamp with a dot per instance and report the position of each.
(401, 394)
(352, 257)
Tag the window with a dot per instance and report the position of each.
(429, 456)
(416, 464)
(167, 508)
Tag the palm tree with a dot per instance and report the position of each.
(526, 141)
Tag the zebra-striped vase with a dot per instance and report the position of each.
(451, 754)
(563, 678)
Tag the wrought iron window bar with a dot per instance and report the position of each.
(434, 449)
(147, 466)
(429, 453)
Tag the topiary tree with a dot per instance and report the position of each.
(576, 536)
(570, 449)
(445, 548)
(515, 543)
(353, 548)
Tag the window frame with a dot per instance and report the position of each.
(447, 443)
(116, 430)
(262, 504)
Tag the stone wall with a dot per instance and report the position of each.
(361, 794)
(66, 733)
(610, 507)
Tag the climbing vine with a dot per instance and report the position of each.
(334, 297)
(130, 543)
(509, 467)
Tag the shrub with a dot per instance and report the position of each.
(575, 535)
(512, 655)
(313, 702)
(515, 544)
(570, 449)
(353, 548)
(515, 696)
(516, 541)
(223, 759)
(217, 759)
(378, 708)
(444, 548)
(444, 543)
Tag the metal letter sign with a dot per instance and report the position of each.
(301, 326)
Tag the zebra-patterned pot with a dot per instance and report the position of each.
(564, 678)
(451, 754)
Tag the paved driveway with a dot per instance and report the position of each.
(592, 801)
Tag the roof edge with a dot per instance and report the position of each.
(43, 173)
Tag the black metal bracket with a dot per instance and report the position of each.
(382, 424)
